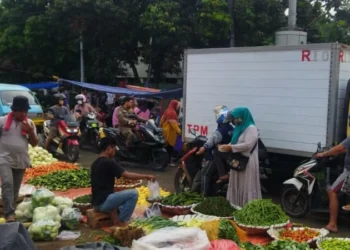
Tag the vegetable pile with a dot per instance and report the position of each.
(71, 218)
(144, 193)
(182, 199)
(191, 223)
(122, 181)
(277, 245)
(215, 206)
(63, 180)
(299, 235)
(83, 199)
(42, 197)
(126, 235)
(261, 213)
(45, 229)
(24, 210)
(153, 223)
(220, 229)
(39, 156)
(335, 244)
(46, 169)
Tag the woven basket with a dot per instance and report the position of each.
(175, 210)
(212, 216)
(83, 207)
(125, 187)
(318, 242)
(259, 230)
(275, 234)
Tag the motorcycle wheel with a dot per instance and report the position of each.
(295, 204)
(73, 153)
(180, 182)
(160, 160)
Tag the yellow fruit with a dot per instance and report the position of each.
(2, 221)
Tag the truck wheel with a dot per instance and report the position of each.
(295, 203)
(181, 183)
(73, 153)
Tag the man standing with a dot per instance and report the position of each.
(16, 131)
(342, 148)
(127, 124)
(103, 173)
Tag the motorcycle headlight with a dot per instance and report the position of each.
(69, 130)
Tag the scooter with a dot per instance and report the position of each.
(67, 141)
(148, 151)
(189, 176)
(307, 190)
(90, 130)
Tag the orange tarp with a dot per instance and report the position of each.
(142, 88)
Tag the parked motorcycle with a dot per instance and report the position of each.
(189, 176)
(67, 141)
(90, 130)
(307, 190)
(148, 151)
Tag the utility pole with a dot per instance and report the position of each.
(82, 76)
(230, 4)
(149, 64)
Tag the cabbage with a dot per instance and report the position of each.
(71, 218)
(44, 229)
(42, 197)
(61, 203)
(48, 212)
(24, 211)
(39, 156)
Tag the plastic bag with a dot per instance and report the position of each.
(154, 190)
(153, 210)
(223, 245)
(172, 238)
(71, 218)
(68, 235)
(44, 229)
(61, 203)
(26, 189)
(42, 197)
(48, 212)
(24, 210)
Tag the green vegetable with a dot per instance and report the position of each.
(153, 223)
(228, 231)
(335, 244)
(182, 199)
(63, 180)
(261, 213)
(83, 199)
(277, 245)
(44, 229)
(215, 206)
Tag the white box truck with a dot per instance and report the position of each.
(295, 93)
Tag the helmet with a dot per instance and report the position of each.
(81, 98)
(124, 99)
(59, 96)
(221, 113)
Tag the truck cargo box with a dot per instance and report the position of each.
(295, 93)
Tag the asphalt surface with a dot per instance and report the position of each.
(166, 180)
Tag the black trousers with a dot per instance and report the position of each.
(221, 159)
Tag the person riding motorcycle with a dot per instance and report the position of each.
(127, 119)
(54, 114)
(222, 135)
(85, 107)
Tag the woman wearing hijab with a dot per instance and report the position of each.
(170, 125)
(244, 185)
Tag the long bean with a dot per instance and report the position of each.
(215, 206)
(261, 213)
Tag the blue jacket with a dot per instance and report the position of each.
(222, 135)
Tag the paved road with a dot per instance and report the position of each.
(166, 180)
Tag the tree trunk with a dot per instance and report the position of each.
(134, 70)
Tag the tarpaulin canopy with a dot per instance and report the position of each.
(40, 85)
(174, 93)
(143, 88)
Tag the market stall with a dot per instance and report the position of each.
(58, 195)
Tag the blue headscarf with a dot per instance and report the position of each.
(247, 120)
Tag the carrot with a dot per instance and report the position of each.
(45, 169)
